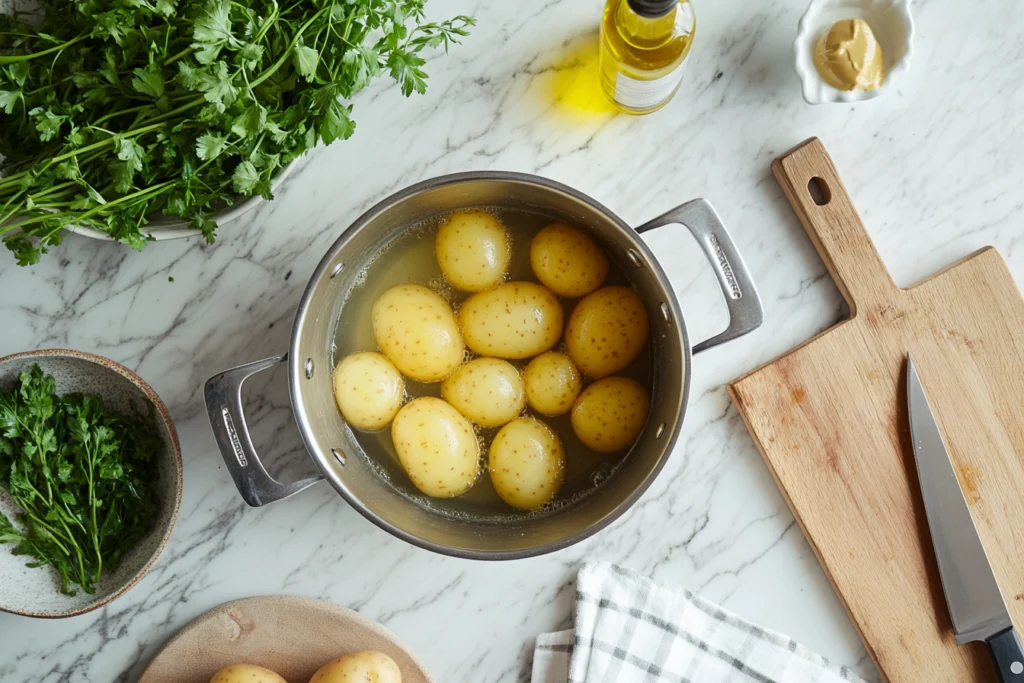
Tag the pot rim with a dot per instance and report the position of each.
(295, 366)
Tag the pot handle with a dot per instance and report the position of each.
(224, 408)
(745, 311)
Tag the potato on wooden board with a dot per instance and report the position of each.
(436, 446)
(607, 331)
(489, 391)
(552, 383)
(417, 330)
(610, 414)
(526, 463)
(513, 320)
(567, 261)
(360, 667)
(369, 390)
(473, 249)
(246, 673)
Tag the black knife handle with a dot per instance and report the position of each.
(1009, 656)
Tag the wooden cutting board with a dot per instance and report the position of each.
(291, 636)
(830, 420)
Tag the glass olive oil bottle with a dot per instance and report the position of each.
(643, 46)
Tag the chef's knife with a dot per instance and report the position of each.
(976, 606)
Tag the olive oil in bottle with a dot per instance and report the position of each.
(643, 46)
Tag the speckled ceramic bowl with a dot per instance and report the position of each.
(35, 592)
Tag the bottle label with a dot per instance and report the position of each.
(637, 94)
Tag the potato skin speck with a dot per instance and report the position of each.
(610, 414)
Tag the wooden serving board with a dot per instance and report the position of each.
(291, 636)
(830, 419)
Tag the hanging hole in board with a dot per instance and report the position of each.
(819, 191)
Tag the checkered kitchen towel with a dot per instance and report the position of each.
(632, 630)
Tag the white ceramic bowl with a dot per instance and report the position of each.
(892, 24)
(174, 228)
(35, 592)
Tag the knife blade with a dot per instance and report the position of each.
(976, 606)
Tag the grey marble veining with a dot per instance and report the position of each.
(934, 168)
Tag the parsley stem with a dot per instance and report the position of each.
(77, 218)
(155, 124)
(115, 114)
(173, 58)
(11, 59)
(288, 52)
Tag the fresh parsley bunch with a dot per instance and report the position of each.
(81, 475)
(113, 111)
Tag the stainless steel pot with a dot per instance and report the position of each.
(337, 454)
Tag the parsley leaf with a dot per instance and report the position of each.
(405, 68)
(8, 99)
(252, 121)
(210, 145)
(245, 177)
(306, 60)
(337, 123)
(149, 81)
(212, 31)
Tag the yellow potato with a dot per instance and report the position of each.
(552, 383)
(607, 331)
(566, 261)
(610, 414)
(513, 320)
(416, 329)
(368, 390)
(360, 667)
(246, 673)
(488, 391)
(436, 446)
(473, 250)
(527, 463)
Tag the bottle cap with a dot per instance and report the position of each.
(652, 8)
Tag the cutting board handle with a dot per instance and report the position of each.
(814, 190)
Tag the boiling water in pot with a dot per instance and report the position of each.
(410, 259)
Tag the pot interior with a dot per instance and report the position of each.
(385, 495)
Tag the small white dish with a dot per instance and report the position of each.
(892, 24)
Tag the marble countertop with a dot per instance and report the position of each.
(934, 167)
